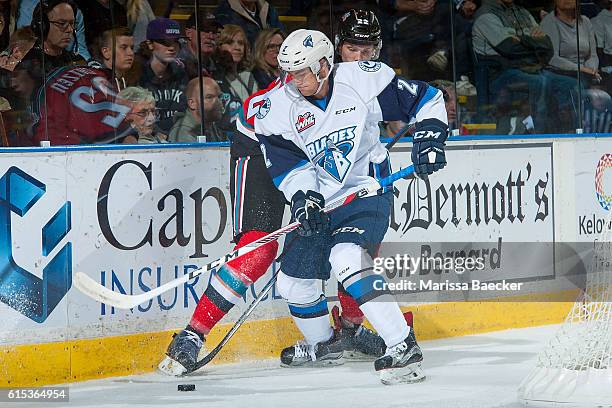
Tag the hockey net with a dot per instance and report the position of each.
(575, 368)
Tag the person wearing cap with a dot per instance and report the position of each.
(251, 15)
(209, 29)
(162, 73)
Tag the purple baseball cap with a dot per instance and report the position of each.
(163, 29)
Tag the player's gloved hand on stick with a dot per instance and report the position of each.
(306, 209)
(428, 147)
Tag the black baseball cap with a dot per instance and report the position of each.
(207, 21)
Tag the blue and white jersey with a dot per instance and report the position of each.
(332, 148)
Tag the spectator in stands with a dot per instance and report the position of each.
(450, 100)
(467, 8)
(114, 50)
(142, 116)
(267, 46)
(161, 74)
(251, 15)
(18, 81)
(464, 20)
(188, 125)
(560, 26)
(209, 30)
(54, 20)
(511, 50)
(8, 12)
(20, 43)
(139, 15)
(602, 24)
(597, 114)
(101, 15)
(419, 31)
(235, 57)
(79, 45)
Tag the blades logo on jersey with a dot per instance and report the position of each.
(304, 122)
(334, 159)
(331, 151)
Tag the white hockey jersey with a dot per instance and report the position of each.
(338, 148)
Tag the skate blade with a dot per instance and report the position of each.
(318, 363)
(356, 356)
(412, 373)
(171, 367)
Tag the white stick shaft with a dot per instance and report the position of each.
(102, 294)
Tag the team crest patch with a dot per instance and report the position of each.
(304, 122)
(264, 108)
(308, 42)
(369, 66)
(334, 159)
(331, 151)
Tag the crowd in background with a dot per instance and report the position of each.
(504, 65)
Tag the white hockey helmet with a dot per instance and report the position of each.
(304, 49)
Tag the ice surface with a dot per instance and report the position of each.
(473, 371)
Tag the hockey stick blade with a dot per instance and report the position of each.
(404, 173)
(102, 294)
(119, 300)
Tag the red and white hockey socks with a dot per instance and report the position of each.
(230, 283)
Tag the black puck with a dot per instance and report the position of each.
(186, 387)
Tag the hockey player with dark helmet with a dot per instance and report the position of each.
(358, 36)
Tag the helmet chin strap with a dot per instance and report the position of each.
(322, 81)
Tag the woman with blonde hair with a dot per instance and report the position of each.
(235, 57)
(267, 46)
(139, 14)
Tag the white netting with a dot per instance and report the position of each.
(575, 368)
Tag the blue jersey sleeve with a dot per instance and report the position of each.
(411, 101)
(288, 165)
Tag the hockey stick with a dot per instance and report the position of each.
(264, 291)
(405, 131)
(213, 353)
(245, 315)
(102, 294)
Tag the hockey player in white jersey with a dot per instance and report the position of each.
(319, 135)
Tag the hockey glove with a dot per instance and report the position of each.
(306, 209)
(428, 147)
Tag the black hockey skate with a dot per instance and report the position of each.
(329, 352)
(182, 353)
(362, 344)
(401, 363)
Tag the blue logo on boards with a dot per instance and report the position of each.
(25, 292)
(308, 42)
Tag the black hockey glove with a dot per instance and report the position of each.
(428, 147)
(306, 209)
